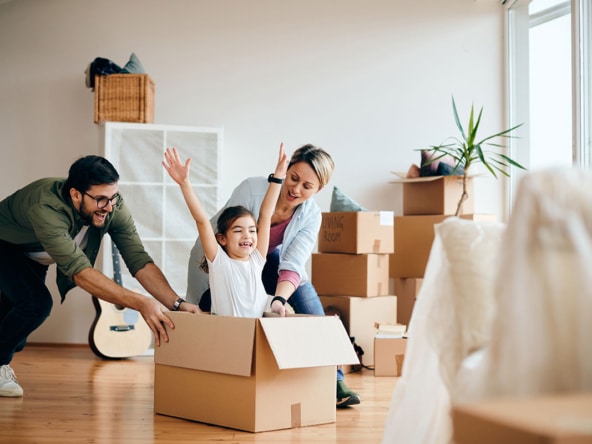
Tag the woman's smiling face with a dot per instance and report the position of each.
(300, 184)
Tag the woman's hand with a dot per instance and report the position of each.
(282, 164)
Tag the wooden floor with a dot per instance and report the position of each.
(71, 396)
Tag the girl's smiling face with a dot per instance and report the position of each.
(240, 240)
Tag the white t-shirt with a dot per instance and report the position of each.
(236, 286)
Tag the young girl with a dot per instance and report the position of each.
(236, 253)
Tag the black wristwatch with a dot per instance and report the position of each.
(278, 298)
(270, 178)
(177, 304)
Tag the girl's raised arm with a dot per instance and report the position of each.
(179, 172)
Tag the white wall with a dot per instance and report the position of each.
(369, 80)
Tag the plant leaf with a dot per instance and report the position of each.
(458, 124)
(512, 162)
(474, 127)
(504, 133)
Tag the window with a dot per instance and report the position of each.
(550, 71)
(549, 82)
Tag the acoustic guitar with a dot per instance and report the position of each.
(117, 332)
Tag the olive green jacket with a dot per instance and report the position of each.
(38, 218)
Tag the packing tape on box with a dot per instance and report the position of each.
(296, 413)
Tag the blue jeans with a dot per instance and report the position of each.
(304, 300)
(25, 301)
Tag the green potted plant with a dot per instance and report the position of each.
(468, 150)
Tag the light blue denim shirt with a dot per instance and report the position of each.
(300, 236)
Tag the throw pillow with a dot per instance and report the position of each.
(341, 202)
(133, 66)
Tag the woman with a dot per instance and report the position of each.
(295, 227)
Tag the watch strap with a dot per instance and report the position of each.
(177, 304)
(270, 178)
(278, 298)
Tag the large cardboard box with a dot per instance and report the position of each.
(436, 195)
(357, 232)
(551, 419)
(251, 374)
(389, 353)
(360, 316)
(342, 274)
(406, 290)
(414, 236)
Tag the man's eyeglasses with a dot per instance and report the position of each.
(102, 201)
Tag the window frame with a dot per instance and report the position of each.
(517, 24)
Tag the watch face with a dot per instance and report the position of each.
(178, 303)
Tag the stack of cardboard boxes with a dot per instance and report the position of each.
(351, 272)
(427, 201)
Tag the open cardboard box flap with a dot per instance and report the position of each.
(210, 343)
(308, 341)
(402, 177)
(225, 344)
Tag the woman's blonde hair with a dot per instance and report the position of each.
(319, 160)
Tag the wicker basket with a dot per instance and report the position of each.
(124, 98)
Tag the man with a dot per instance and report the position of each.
(63, 221)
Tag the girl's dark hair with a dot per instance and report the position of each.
(229, 215)
(88, 171)
(225, 221)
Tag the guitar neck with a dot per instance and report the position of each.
(116, 264)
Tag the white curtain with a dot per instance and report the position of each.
(502, 311)
(450, 319)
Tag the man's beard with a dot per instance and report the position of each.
(87, 216)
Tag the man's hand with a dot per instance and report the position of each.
(151, 309)
(153, 313)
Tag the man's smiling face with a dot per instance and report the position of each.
(89, 203)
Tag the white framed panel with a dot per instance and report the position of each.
(162, 219)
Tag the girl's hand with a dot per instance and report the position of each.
(282, 164)
(178, 171)
(279, 308)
